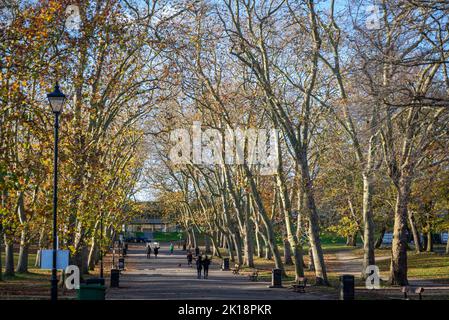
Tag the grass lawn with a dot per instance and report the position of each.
(35, 284)
(166, 236)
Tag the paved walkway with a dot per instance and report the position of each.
(169, 277)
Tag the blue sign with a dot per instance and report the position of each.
(444, 237)
(62, 259)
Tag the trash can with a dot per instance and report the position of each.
(115, 278)
(225, 266)
(347, 287)
(91, 292)
(276, 278)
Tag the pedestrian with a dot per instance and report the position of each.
(197, 252)
(156, 251)
(148, 252)
(199, 266)
(172, 247)
(189, 258)
(206, 263)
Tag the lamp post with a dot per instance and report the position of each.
(101, 245)
(56, 100)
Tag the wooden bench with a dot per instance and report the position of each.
(236, 269)
(407, 289)
(300, 285)
(254, 276)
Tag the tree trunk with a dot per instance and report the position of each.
(268, 253)
(368, 225)
(22, 263)
(265, 219)
(194, 238)
(190, 239)
(287, 253)
(285, 205)
(42, 236)
(248, 245)
(415, 234)
(315, 242)
(9, 257)
(259, 251)
(266, 247)
(398, 267)
(85, 259)
(215, 249)
(238, 247)
(381, 237)
(351, 240)
(429, 247)
(91, 261)
(229, 246)
(311, 263)
(207, 245)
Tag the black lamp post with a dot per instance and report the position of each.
(56, 100)
(101, 245)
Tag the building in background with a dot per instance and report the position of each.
(148, 221)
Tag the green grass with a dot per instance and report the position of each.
(31, 260)
(166, 236)
(426, 266)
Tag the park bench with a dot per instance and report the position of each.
(254, 276)
(300, 285)
(407, 289)
(236, 269)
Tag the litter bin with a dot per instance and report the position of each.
(225, 266)
(347, 287)
(91, 292)
(115, 278)
(276, 278)
(121, 263)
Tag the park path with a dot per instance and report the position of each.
(169, 277)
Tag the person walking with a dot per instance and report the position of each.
(156, 251)
(148, 251)
(206, 263)
(199, 266)
(189, 258)
(172, 247)
(197, 252)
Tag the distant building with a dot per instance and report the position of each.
(150, 220)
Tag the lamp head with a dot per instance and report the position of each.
(56, 99)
